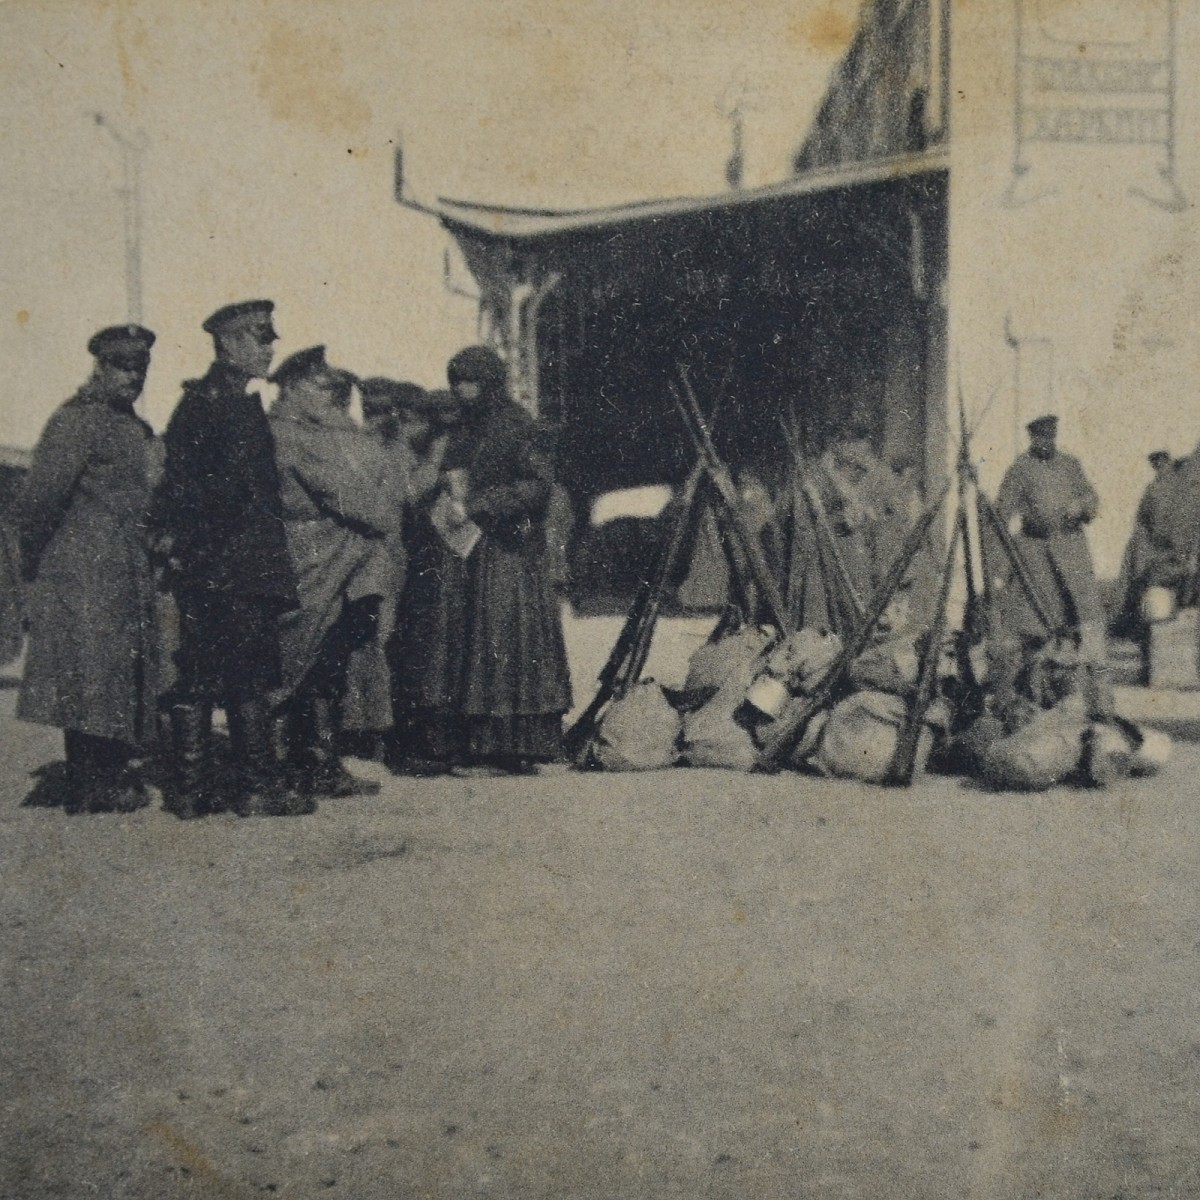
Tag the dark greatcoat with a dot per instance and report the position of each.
(516, 684)
(1150, 558)
(1180, 527)
(220, 503)
(220, 496)
(93, 659)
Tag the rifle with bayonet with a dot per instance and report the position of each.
(904, 760)
(975, 616)
(828, 551)
(764, 579)
(991, 518)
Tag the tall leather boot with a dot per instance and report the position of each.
(192, 792)
(73, 793)
(282, 735)
(101, 780)
(262, 789)
(323, 773)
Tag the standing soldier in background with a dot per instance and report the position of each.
(92, 665)
(868, 511)
(1179, 529)
(1047, 492)
(1147, 559)
(222, 515)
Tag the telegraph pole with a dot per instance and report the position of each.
(733, 104)
(132, 147)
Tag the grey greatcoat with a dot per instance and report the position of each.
(93, 656)
(367, 702)
(338, 512)
(1054, 501)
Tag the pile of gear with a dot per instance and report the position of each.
(739, 685)
(886, 694)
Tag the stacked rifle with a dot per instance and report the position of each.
(751, 574)
(793, 720)
(843, 602)
(628, 657)
(857, 617)
(796, 715)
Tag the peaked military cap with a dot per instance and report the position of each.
(1045, 424)
(122, 345)
(302, 365)
(309, 364)
(380, 394)
(244, 313)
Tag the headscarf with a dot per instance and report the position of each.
(481, 365)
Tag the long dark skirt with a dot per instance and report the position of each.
(431, 734)
(537, 738)
(516, 685)
(426, 653)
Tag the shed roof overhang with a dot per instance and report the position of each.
(528, 224)
(802, 284)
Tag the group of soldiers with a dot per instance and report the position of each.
(324, 576)
(389, 578)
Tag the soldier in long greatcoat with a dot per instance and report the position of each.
(338, 511)
(1046, 494)
(92, 666)
(866, 513)
(1148, 559)
(1179, 529)
(221, 511)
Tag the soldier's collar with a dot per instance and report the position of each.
(235, 376)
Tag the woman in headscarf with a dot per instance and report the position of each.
(515, 687)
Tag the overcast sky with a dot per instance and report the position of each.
(269, 129)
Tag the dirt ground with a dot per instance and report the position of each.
(683, 984)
